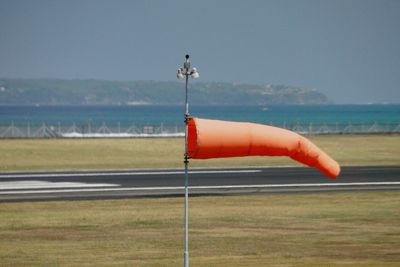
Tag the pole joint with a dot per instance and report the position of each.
(186, 159)
(187, 117)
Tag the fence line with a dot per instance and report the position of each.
(174, 130)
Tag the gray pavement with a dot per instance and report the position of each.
(152, 183)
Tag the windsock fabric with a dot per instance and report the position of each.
(222, 139)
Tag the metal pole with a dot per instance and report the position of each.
(186, 161)
(186, 252)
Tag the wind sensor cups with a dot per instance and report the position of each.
(194, 74)
(179, 74)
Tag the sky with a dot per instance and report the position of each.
(347, 49)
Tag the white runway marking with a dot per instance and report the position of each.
(93, 174)
(198, 187)
(45, 184)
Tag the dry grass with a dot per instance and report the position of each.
(334, 229)
(90, 154)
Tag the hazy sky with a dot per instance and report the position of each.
(348, 49)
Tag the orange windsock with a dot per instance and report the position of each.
(221, 139)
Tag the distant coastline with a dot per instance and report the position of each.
(102, 92)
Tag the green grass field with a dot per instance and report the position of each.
(91, 154)
(330, 229)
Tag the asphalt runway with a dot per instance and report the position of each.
(152, 183)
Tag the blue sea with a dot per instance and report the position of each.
(170, 115)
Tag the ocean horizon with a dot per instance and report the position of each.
(173, 114)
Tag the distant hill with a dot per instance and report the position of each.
(99, 92)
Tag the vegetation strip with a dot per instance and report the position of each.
(102, 154)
